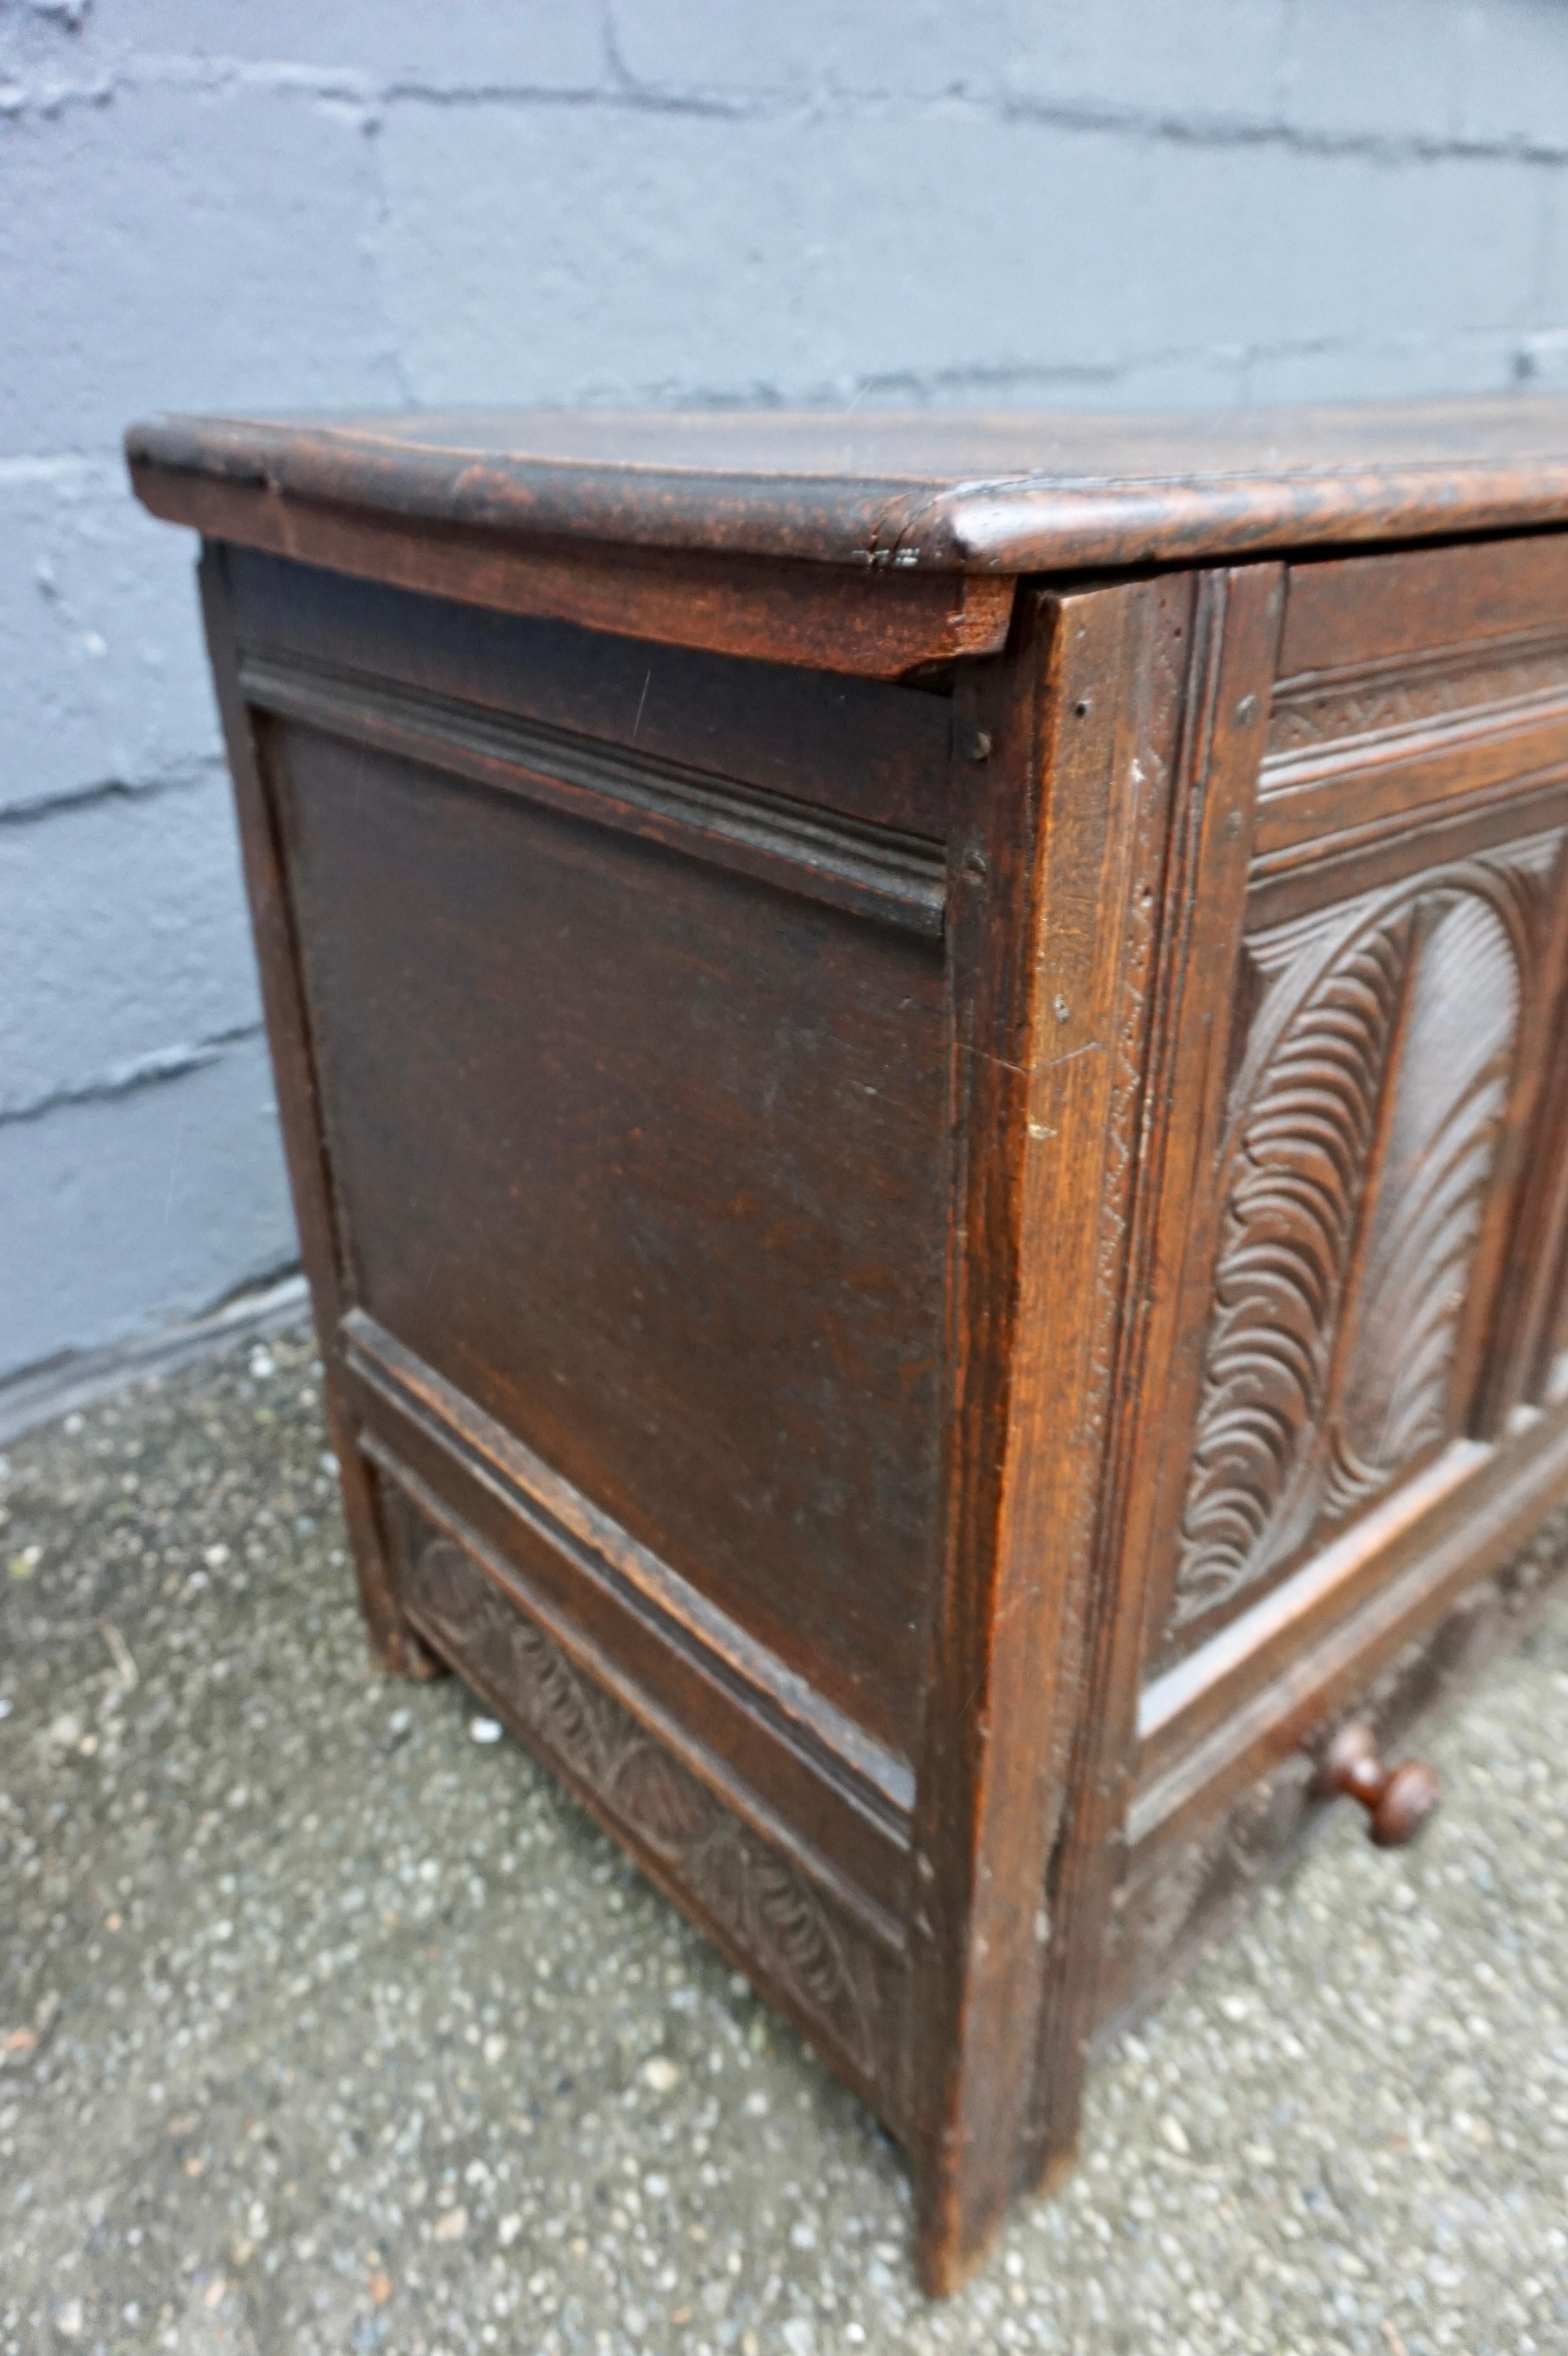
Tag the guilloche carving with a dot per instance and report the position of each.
(1345, 711)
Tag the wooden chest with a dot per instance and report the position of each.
(923, 1066)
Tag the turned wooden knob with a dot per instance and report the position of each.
(1397, 1799)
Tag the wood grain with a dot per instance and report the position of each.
(869, 870)
(1006, 493)
(1187, 1885)
(867, 749)
(836, 1798)
(867, 622)
(310, 1176)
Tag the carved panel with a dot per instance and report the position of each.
(1361, 1145)
(798, 1939)
(1443, 1128)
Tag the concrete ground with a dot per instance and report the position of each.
(329, 2023)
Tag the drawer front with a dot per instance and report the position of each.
(1195, 1857)
(1359, 1435)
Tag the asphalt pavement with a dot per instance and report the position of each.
(328, 2022)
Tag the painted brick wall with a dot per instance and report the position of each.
(291, 203)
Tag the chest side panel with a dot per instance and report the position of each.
(642, 1158)
(628, 1055)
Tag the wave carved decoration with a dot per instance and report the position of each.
(744, 1887)
(1444, 1130)
(1363, 1141)
(1290, 1218)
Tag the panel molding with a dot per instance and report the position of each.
(875, 871)
(1195, 758)
(873, 1779)
(1382, 803)
(1184, 1703)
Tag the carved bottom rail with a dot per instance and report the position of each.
(837, 1984)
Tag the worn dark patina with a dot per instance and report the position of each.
(923, 1064)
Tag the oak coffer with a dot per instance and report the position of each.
(923, 1063)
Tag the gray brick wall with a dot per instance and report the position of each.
(289, 203)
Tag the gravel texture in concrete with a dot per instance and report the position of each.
(328, 2022)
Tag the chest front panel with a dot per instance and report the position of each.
(1389, 1030)
(1373, 1248)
